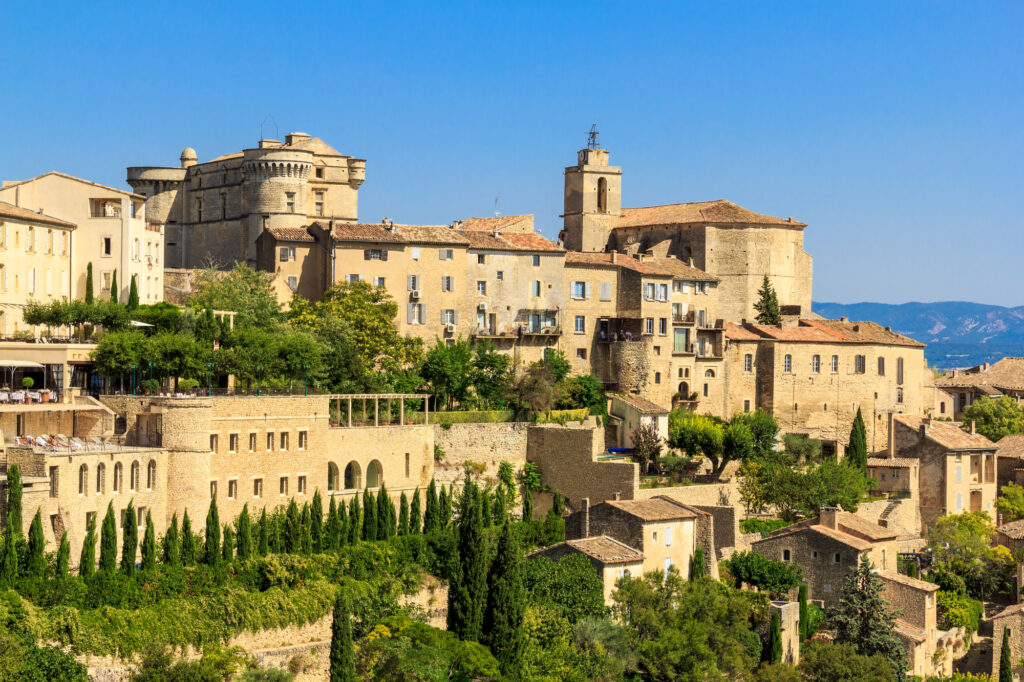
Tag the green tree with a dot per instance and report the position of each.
(133, 294)
(60, 571)
(805, 613)
(316, 522)
(767, 305)
(14, 494)
(342, 656)
(369, 516)
(244, 533)
(113, 287)
(264, 533)
(764, 429)
(492, 373)
(994, 418)
(108, 541)
(467, 591)
(506, 605)
(773, 649)
(1005, 658)
(431, 515)
(569, 587)
(697, 568)
(247, 292)
(556, 363)
(386, 517)
(292, 528)
(863, 619)
(118, 350)
(188, 542)
(768, 575)
(129, 540)
(211, 548)
(305, 536)
(36, 566)
(343, 530)
(449, 371)
(354, 523)
(332, 531)
(9, 557)
(88, 284)
(171, 544)
(87, 559)
(825, 662)
(698, 436)
(1011, 504)
(403, 515)
(414, 512)
(961, 545)
(149, 544)
(857, 450)
(227, 545)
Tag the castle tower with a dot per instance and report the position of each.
(593, 198)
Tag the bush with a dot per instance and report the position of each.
(762, 526)
(959, 611)
(188, 384)
(775, 577)
(805, 448)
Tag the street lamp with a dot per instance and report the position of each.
(259, 379)
(135, 371)
(209, 379)
(306, 367)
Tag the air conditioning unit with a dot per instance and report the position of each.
(482, 305)
(450, 328)
(415, 294)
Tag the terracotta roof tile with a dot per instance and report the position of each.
(735, 332)
(365, 232)
(509, 241)
(864, 332)
(906, 580)
(908, 631)
(893, 462)
(1014, 529)
(17, 213)
(718, 211)
(1011, 446)
(621, 261)
(499, 223)
(290, 234)
(821, 331)
(606, 550)
(655, 509)
(431, 234)
(642, 405)
(859, 544)
(851, 530)
(681, 270)
(76, 179)
(947, 434)
(1007, 373)
(855, 525)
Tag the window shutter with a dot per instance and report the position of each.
(366, 254)
(586, 290)
(383, 254)
(423, 313)
(409, 282)
(408, 311)
(442, 316)
(455, 319)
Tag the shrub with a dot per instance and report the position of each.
(762, 526)
(188, 384)
(959, 611)
(775, 577)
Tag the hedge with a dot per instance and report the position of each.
(497, 416)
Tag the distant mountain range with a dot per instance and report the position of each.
(958, 333)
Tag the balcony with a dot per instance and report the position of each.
(684, 318)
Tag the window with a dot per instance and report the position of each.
(293, 283)
(270, 441)
(257, 487)
(140, 516)
(581, 290)
(668, 564)
(785, 555)
(581, 353)
(223, 205)
(662, 292)
(899, 371)
(899, 394)
(959, 501)
(501, 275)
(746, 406)
(151, 475)
(668, 536)
(837, 558)
(657, 377)
(816, 364)
(319, 172)
(318, 202)
(213, 488)
(580, 324)
(252, 442)
(649, 325)
(663, 326)
(414, 253)
(373, 254)
(213, 442)
(705, 390)
(680, 340)
(282, 486)
(233, 442)
(445, 254)
(602, 195)
(446, 283)
(481, 259)
(199, 210)
(415, 313)
(284, 441)
(303, 439)
(835, 364)
(83, 480)
(301, 486)
(232, 489)
(30, 243)
(649, 292)
(133, 477)
(448, 316)
(859, 364)
(535, 288)
(959, 474)
(536, 261)
(413, 282)
(118, 477)
(289, 202)
(606, 291)
(748, 363)
(379, 282)
(787, 363)
(54, 479)
(353, 278)
(881, 366)
(481, 288)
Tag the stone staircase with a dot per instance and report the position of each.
(883, 518)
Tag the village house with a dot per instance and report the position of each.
(1010, 460)
(995, 380)
(611, 559)
(628, 412)
(929, 650)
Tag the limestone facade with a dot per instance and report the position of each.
(914, 601)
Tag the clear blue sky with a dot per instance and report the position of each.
(894, 129)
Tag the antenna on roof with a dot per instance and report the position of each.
(496, 214)
(277, 132)
(593, 138)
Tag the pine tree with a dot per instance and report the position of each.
(431, 515)
(149, 544)
(211, 548)
(697, 568)
(244, 533)
(171, 543)
(60, 571)
(403, 515)
(857, 450)
(500, 510)
(354, 522)
(129, 540)
(87, 559)
(113, 287)
(773, 650)
(263, 528)
(342, 658)
(133, 294)
(36, 566)
(14, 493)
(863, 619)
(188, 542)
(316, 522)
(506, 605)
(414, 512)
(467, 592)
(275, 530)
(305, 537)
(767, 305)
(9, 557)
(444, 504)
(292, 528)
(88, 284)
(108, 541)
(805, 613)
(1005, 658)
(227, 546)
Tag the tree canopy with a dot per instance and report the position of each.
(994, 418)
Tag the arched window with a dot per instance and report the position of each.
(602, 195)
(83, 480)
(710, 373)
(332, 476)
(101, 479)
(151, 475)
(118, 477)
(684, 390)
(353, 476)
(133, 482)
(374, 475)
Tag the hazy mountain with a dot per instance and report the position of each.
(958, 333)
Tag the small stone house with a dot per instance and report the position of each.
(1011, 535)
(829, 546)
(898, 476)
(1011, 617)
(914, 602)
(609, 557)
(1010, 460)
(629, 412)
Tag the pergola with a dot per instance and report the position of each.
(351, 398)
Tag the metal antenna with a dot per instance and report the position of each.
(277, 132)
(593, 138)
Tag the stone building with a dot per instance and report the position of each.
(929, 650)
(1012, 619)
(113, 233)
(1011, 535)
(826, 548)
(213, 211)
(627, 412)
(1010, 460)
(610, 558)
(35, 264)
(995, 380)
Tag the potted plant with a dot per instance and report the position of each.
(44, 395)
(27, 383)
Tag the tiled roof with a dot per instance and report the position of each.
(946, 434)
(76, 179)
(893, 462)
(17, 213)
(654, 509)
(290, 234)
(821, 331)
(855, 525)
(606, 550)
(681, 270)
(510, 241)
(530, 241)
(1011, 446)
(850, 530)
(864, 332)
(735, 332)
(642, 405)
(621, 261)
(498, 223)
(365, 232)
(718, 211)
(431, 234)
(908, 631)
(1007, 373)
(906, 580)
(1014, 529)
(859, 544)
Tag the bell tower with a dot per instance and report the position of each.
(593, 198)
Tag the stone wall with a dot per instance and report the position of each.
(901, 515)
(487, 444)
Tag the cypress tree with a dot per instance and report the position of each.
(149, 544)
(527, 505)
(403, 515)
(133, 295)
(88, 288)
(767, 305)
(500, 511)
(697, 567)
(912, 569)
(354, 524)
(108, 541)
(369, 516)
(113, 287)
(445, 501)
(171, 543)
(506, 605)
(306, 537)
(485, 507)
(87, 559)
(36, 565)
(63, 557)
(211, 549)
(857, 450)
(316, 522)
(467, 592)
(292, 528)
(129, 540)
(263, 529)
(244, 533)
(342, 659)
(188, 542)
(414, 512)
(430, 513)
(773, 650)
(14, 492)
(9, 557)
(228, 545)
(342, 538)
(386, 520)
(275, 529)
(805, 613)
(1005, 658)
(331, 533)
(558, 505)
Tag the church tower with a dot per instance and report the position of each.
(593, 198)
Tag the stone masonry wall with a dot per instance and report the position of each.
(487, 444)
(567, 458)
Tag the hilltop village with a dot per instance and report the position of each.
(225, 399)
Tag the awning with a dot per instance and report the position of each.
(24, 364)
(136, 323)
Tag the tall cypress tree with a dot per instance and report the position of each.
(108, 541)
(431, 515)
(14, 493)
(767, 305)
(805, 613)
(133, 295)
(188, 542)
(129, 540)
(403, 515)
(331, 532)
(227, 546)
(244, 534)
(500, 510)
(88, 286)
(485, 507)
(171, 543)
(342, 658)
(292, 528)
(697, 567)
(305, 537)
(354, 522)
(113, 287)
(467, 592)
(414, 512)
(263, 527)
(87, 559)
(1005, 658)
(211, 549)
(60, 571)
(773, 649)
(36, 566)
(9, 557)
(342, 526)
(386, 518)
(527, 505)
(444, 503)
(316, 522)
(506, 605)
(149, 544)
(369, 516)
(857, 450)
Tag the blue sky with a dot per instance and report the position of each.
(893, 129)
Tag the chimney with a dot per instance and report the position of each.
(618, 496)
(829, 517)
(973, 429)
(844, 319)
(640, 257)
(691, 262)
(615, 255)
(888, 328)
(585, 518)
(892, 435)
